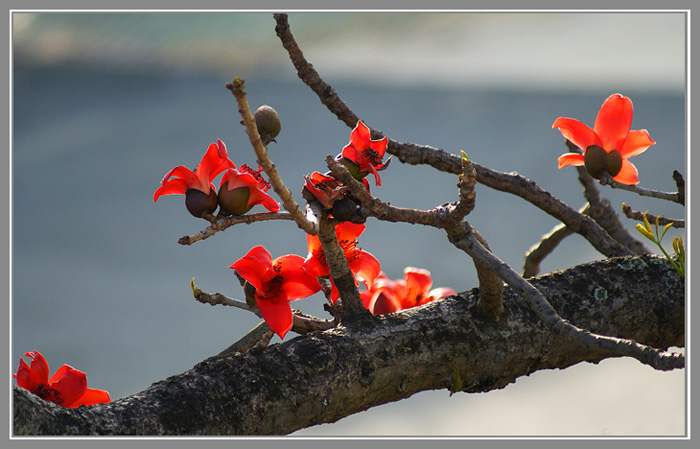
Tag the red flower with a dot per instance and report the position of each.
(387, 296)
(67, 387)
(326, 189)
(610, 143)
(364, 153)
(200, 193)
(276, 282)
(362, 263)
(242, 189)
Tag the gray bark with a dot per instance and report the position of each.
(324, 376)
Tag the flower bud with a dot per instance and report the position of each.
(235, 201)
(268, 123)
(597, 159)
(199, 203)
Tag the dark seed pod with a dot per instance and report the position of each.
(199, 203)
(268, 123)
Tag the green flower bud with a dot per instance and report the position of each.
(235, 201)
(268, 123)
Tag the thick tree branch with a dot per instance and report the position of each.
(322, 377)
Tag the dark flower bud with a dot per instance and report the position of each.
(596, 159)
(199, 203)
(268, 123)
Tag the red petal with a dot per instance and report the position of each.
(578, 133)
(24, 376)
(92, 396)
(214, 161)
(71, 383)
(257, 196)
(614, 121)
(382, 303)
(570, 159)
(39, 369)
(297, 283)
(628, 174)
(366, 266)
(637, 142)
(277, 315)
(438, 293)
(348, 231)
(171, 187)
(418, 283)
(255, 267)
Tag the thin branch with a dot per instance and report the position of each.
(379, 209)
(226, 222)
(264, 160)
(663, 221)
(301, 323)
(463, 237)
(547, 244)
(441, 160)
(603, 213)
(607, 180)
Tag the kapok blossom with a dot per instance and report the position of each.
(361, 263)
(199, 191)
(67, 387)
(363, 155)
(243, 188)
(276, 282)
(326, 189)
(610, 143)
(388, 296)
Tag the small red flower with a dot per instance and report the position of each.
(366, 154)
(276, 282)
(242, 189)
(610, 143)
(67, 387)
(387, 296)
(326, 189)
(362, 263)
(200, 193)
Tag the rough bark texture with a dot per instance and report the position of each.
(322, 377)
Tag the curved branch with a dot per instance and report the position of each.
(322, 377)
(420, 154)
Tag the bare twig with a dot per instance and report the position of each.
(663, 221)
(606, 180)
(225, 222)
(264, 160)
(301, 323)
(547, 244)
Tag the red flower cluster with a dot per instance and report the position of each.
(361, 156)
(239, 190)
(387, 296)
(610, 143)
(67, 387)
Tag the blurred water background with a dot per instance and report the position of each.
(105, 104)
